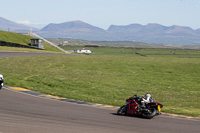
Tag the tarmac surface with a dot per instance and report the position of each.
(33, 113)
(22, 113)
(6, 54)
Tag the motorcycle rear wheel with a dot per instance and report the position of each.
(150, 114)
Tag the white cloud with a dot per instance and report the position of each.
(24, 22)
(28, 23)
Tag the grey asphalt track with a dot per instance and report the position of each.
(5, 54)
(24, 113)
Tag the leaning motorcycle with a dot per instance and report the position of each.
(133, 107)
(1, 81)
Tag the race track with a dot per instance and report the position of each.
(24, 113)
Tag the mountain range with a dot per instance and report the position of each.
(150, 33)
(7, 25)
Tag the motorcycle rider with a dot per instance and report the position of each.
(147, 99)
(1, 81)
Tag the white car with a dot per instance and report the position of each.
(1, 81)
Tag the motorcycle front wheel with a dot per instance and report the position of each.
(122, 110)
(150, 114)
(1, 85)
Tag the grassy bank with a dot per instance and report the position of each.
(111, 78)
(14, 38)
(23, 40)
(48, 49)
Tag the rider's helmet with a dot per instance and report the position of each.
(1, 77)
(148, 95)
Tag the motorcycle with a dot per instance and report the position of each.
(1, 81)
(133, 107)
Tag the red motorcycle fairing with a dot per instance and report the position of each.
(132, 109)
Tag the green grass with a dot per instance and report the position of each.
(48, 49)
(146, 52)
(132, 44)
(15, 38)
(109, 78)
(23, 40)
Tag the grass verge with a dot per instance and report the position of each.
(110, 79)
(15, 38)
(23, 40)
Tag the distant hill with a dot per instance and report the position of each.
(155, 33)
(72, 25)
(151, 33)
(73, 30)
(153, 29)
(6, 25)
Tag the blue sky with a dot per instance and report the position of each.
(103, 13)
